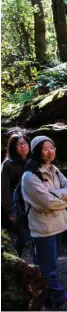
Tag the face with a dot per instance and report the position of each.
(48, 152)
(22, 148)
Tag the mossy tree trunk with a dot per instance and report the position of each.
(60, 27)
(39, 30)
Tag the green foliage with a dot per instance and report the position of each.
(24, 97)
(15, 79)
(18, 75)
(54, 77)
(14, 103)
(65, 1)
(6, 241)
(17, 22)
(51, 43)
(18, 53)
(17, 46)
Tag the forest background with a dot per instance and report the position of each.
(34, 99)
(34, 56)
(34, 33)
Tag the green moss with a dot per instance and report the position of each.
(6, 241)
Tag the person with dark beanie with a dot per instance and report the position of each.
(44, 187)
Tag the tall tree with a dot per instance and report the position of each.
(39, 30)
(60, 27)
(17, 32)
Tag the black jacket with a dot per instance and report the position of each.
(10, 176)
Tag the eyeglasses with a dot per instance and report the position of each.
(52, 148)
(21, 143)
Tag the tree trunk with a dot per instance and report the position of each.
(60, 27)
(65, 5)
(39, 30)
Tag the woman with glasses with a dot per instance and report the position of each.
(44, 187)
(18, 151)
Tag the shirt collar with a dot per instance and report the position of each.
(51, 167)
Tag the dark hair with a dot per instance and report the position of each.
(35, 161)
(37, 153)
(11, 147)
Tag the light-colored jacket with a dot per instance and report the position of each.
(47, 215)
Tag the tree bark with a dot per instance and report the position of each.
(60, 27)
(39, 30)
(65, 5)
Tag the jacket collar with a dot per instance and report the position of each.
(51, 167)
